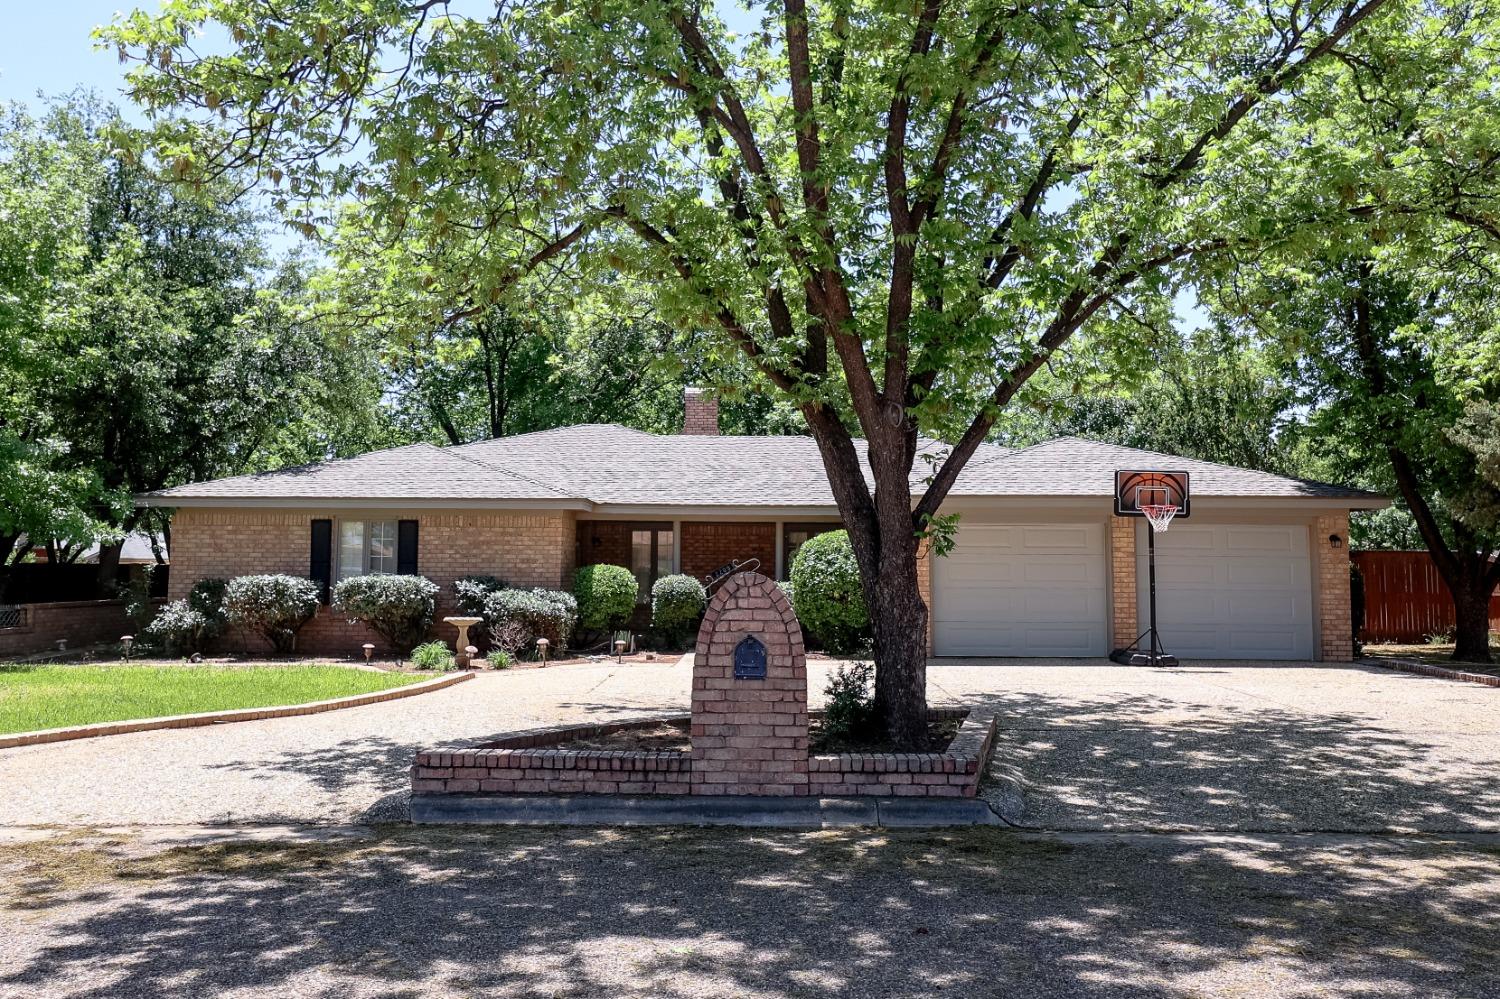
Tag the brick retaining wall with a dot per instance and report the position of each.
(522, 765)
(82, 622)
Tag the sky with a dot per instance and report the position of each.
(46, 47)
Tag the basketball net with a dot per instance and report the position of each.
(1158, 515)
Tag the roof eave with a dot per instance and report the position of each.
(362, 502)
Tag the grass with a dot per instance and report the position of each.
(1436, 654)
(57, 696)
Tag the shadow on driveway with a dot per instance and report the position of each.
(546, 912)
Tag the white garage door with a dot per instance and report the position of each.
(1228, 591)
(1029, 590)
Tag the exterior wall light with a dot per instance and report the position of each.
(1334, 541)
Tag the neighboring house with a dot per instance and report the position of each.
(1041, 566)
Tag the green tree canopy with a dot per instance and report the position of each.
(897, 214)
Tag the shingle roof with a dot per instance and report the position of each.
(1072, 466)
(610, 465)
(417, 471)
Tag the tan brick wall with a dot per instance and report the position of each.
(750, 735)
(1124, 618)
(526, 549)
(1335, 638)
(706, 547)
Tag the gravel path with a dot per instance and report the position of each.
(424, 912)
(1218, 746)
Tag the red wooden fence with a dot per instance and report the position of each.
(1405, 598)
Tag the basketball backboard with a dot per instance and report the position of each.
(1135, 489)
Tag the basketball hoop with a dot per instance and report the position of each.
(1158, 515)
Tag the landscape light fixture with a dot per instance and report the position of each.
(127, 641)
(541, 648)
(369, 651)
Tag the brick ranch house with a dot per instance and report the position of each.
(1041, 567)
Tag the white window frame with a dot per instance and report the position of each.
(367, 531)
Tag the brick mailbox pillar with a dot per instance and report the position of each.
(750, 693)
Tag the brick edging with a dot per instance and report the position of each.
(1427, 669)
(126, 726)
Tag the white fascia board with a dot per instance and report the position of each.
(360, 503)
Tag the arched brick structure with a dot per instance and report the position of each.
(750, 733)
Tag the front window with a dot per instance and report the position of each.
(794, 537)
(366, 546)
(650, 559)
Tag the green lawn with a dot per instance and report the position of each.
(51, 696)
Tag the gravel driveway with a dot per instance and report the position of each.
(1083, 746)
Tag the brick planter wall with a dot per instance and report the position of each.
(82, 622)
(524, 765)
(749, 733)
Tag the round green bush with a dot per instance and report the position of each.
(826, 593)
(519, 617)
(433, 655)
(398, 608)
(274, 607)
(677, 604)
(606, 596)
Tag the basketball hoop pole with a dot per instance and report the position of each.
(1155, 654)
(1156, 649)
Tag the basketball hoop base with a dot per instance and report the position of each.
(1134, 657)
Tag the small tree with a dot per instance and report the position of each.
(273, 607)
(827, 595)
(677, 604)
(606, 596)
(398, 608)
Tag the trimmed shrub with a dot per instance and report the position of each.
(433, 655)
(851, 702)
(826, 593)
(471, 592)
(181, 628)
(398, 608)
(207, 598)
(498, 659)
(186, 626)
(677, 604)
(519, 617)
(274, 607)
(606, 596)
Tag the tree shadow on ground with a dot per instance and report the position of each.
(554, 912)
(1138, 761)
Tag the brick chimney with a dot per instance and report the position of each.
(700, 413)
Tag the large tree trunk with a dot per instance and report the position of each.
(885, 543)
(109, 569)
(1472, 633)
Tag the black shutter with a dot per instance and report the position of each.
(320, 562)
(406, 547)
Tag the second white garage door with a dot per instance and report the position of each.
(1021, 590)
(1231, 591)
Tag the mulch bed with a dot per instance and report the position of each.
(673, 737)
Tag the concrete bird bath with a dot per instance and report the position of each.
(461, 647)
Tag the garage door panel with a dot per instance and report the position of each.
(1183, 573)
(1252, 573)
(1227, 591)
(1060, 540)
(1076, 571)
(1238, 541)
(1010, 590)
